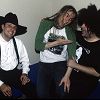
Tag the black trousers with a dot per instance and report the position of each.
(82, 85)
(12, 78)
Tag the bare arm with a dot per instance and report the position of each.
(59, 41)
(89, 70)
(68, 72)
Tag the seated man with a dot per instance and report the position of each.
(13, 52)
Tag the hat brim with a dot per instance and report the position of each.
(20, 29)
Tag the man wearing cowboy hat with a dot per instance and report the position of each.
(12, 53)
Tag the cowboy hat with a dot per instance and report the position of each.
(12, 18)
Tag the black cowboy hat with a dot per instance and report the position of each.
(12, 18)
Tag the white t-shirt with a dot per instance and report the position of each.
(54, 54)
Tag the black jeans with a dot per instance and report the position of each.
(49, 77)
(82, 85)
(12, 78)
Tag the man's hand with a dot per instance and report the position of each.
(24, 79)
(66, 82)
(6, 90)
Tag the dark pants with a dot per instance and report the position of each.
(82, 85)
(12, 78)
(49, 77)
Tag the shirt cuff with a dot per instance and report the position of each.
(25, 71)
(1, 82)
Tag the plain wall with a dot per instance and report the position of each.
(30, 12)
(76, 3)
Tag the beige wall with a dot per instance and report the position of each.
(30, 12)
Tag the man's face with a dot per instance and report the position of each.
(9, 30)
(85, 31)
(66, 18)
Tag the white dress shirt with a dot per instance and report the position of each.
(8, 56)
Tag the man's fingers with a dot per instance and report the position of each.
(7, 93)
(65, 86)
(60, 83)
(24, 81)
(68, 88)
